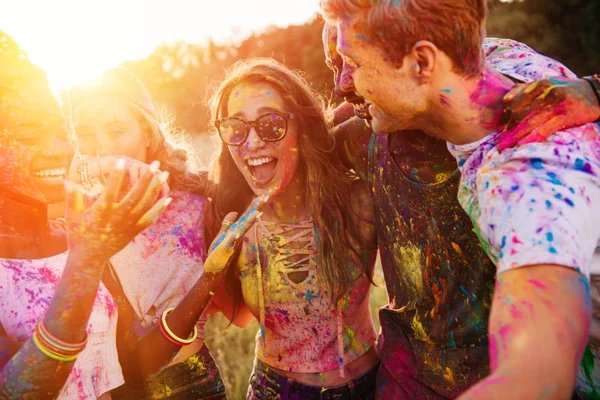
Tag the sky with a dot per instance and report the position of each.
(73, 40)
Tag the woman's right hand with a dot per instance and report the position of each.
(100, 167)
(98, 227)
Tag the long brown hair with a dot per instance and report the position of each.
(328, 183)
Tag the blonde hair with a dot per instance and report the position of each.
(166, 144)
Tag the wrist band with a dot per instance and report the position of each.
(595, 82)
(166, 335)
(54, 348)
(68, 347)
(170, 335)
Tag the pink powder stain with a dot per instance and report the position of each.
(48, 276)
(515, 312)
(537, 283)
(493, 351)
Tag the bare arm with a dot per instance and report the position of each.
(154, 350)
(29, 373)
(538, 330)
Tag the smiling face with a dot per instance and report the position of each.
(108, 125)
(390, 90)
(344, 86)
(34, 150)
(268, 167)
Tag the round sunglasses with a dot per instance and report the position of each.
(270, 127)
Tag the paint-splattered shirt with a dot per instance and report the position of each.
(160, 265)
(537, 203)
(26, 290)
(302, 329)
(439, 279)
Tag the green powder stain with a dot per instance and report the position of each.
(587, 364)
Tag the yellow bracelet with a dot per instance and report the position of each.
(174, 336)
(48, 353)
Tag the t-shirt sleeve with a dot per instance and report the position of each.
(538, 203)
(521, 62)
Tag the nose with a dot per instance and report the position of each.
(103, 144)
(345, 83)
(59, 148)
(254, 142)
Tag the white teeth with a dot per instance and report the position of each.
(51, 173)
(259, 161)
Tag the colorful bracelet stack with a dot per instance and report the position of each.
(170, 336)
(55, 348)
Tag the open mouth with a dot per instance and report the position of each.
(51, 174)
(361, 110)
(262, 169)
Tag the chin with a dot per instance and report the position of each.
(385, 126)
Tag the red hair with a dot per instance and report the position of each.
(456, 27)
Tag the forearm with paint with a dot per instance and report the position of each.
(29, 373)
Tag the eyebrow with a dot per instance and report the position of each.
(261, 111)
(114, 123)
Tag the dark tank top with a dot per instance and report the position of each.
(439, 279)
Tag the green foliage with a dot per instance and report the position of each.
(566, 30)
(182, 76)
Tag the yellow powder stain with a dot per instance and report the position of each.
(195, 362)
(418, 329)
(409, 263)
(448, 375)
(456, 248)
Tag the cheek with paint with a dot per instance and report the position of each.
(15, 159)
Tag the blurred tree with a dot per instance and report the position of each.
(182, 76)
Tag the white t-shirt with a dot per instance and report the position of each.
(536, 203)
(26, 290)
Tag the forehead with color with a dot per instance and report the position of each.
(103, 110)
(250, 99)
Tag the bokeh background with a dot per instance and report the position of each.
(199, 40)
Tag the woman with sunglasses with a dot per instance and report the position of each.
(57, 320)
(304, 270)
(116, 115)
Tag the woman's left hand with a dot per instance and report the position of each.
(223, 247)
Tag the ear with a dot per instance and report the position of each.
(424, 56)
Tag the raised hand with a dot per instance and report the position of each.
(535, 111)
(100, 226)
(223, 247)
(91, 172)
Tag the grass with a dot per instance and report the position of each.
(233, 347)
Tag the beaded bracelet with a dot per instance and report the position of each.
(173, 338)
